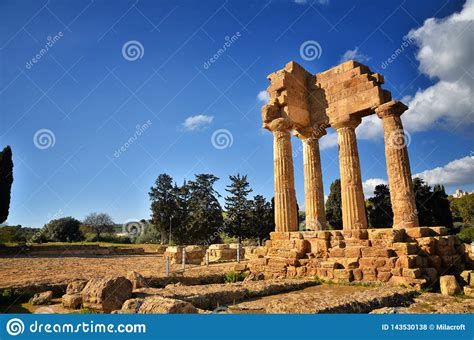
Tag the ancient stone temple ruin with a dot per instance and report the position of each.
(305, 105)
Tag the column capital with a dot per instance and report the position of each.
(347, 122)
(315, 131)
(279, 125)
(391, 108)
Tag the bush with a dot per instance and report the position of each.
(109, 238)
(15, 234)
(467, 235)
(149, 235)
(62, 230)
(232, 277)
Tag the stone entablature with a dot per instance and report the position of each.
(412, 256)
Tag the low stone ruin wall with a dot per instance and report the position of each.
(70, 250)
(217, 253)
(412, 257)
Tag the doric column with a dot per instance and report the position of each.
(286, 218)
(313, 178)
(402, 196)
(353, 206)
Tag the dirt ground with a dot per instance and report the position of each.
(25, 271)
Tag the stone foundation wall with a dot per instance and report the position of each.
(413, 257)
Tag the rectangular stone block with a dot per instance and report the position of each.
(367, 262)
(388, 234)
(356, 242)
(418, 232)
(337, 252)
(409, 261)
(343, 274)
(353, 251)
(413, 273)
(369, 274)
(279, 236)
(377, 251)
(384, 276)
(357, 274)
(403, 248)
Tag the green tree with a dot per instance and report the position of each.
(205, 212)
(180, 218)
(423, 198)
(380, 211)
(6, 181)
(64, 229)
(98, 224)
(333, 205)
(463, 209)
(263, 218)
(441, 207)
(163, 205)
(238, 207)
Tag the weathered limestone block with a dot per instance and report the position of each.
(430, 274)
(393, 235)
(377, 251)
(449, 285)
(357, 273)
(402, 248)
(42, 298)
(106, 294)
(137, 280)
(369, 274)
(278, 235)
(353, 251)
(383, 276)
(417, 232)
(76, 286)
(161, 305)
(409, 261)
(407, 282)
(468, 291)
(337, 252)
(73, 301)
(343, 275)
(413, 273)
(174, 253)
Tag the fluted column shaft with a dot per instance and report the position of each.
(286, 218)
(402, 195)
(313, 185)
(352, 196)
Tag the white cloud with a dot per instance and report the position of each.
(354, 55)
(369, 186)
(263, 96)
(457, 172)
(328, 141)
(197, 122)
(445, 53)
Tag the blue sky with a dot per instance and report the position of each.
(92, 124)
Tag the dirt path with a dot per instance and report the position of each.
(26, 271)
